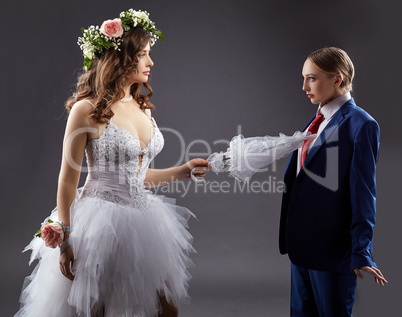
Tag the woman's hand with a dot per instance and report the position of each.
(378, 277)
(66, 261)
(161, 177)
(201, 166)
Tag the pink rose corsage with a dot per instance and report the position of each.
(112, 28)
(52, 233)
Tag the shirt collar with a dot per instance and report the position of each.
(334, 105)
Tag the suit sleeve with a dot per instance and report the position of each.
(363, 192)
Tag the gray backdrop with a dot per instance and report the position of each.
(224, 64)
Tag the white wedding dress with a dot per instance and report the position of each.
(129, 244)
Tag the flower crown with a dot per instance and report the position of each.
(96, 40)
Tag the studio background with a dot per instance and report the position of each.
(224, 64)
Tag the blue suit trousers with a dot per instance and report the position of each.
(321, 294)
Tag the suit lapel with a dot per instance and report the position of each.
(324, 136)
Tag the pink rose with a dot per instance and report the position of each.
(112, 28)
(53, 234)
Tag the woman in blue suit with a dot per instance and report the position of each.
(328, 209)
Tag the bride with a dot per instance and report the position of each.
(124, 251)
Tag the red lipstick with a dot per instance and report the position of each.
(310, 96)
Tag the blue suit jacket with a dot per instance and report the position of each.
(328, 209)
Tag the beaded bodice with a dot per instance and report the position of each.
(117, 166)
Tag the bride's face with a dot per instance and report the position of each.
(143, 66)
(320, 87)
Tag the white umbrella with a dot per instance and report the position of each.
(245, 156)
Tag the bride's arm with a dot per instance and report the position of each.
(75, 139)
(160, 177)
(74, 142)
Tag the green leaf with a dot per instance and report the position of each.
(107, 45)
(87, 62)
(159, 33)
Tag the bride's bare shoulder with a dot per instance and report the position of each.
(83, 106)
(80, 112)
(148, 112)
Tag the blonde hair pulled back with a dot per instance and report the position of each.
(334, 61)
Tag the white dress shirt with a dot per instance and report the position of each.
(328, 112)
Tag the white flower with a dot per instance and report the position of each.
(88, 51)
(141, 15)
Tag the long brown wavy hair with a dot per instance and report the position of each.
(105, 79)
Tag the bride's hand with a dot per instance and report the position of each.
(201, 166)
(66, 261)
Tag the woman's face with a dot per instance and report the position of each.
(143, 66)
(320, 87)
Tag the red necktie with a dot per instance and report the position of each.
(313, 129)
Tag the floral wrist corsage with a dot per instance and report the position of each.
(53, 233)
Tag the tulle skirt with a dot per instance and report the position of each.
(125, 258)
